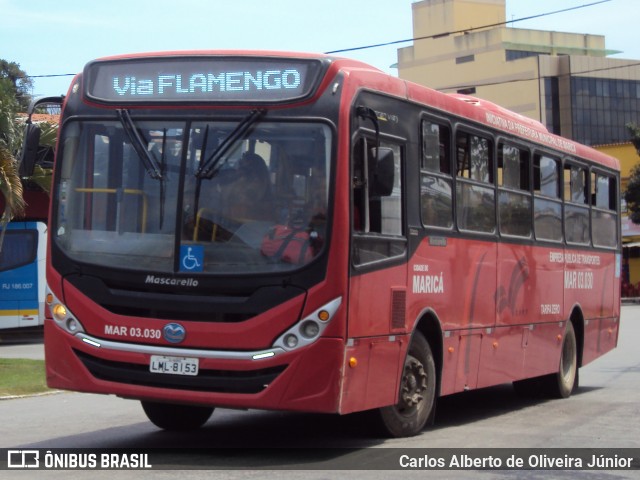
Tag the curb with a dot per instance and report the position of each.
(41, 394)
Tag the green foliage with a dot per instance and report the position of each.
(634, 131)
(8, 128)
(13, 92)
(632, 194)
(15, 83)
(42, 177)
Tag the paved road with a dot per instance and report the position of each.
(27, 345)
(605, 412)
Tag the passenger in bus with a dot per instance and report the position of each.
(248, 196)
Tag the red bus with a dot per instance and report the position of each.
(306, 233)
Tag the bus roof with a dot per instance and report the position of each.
(472, 108)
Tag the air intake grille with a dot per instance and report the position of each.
(398, 309)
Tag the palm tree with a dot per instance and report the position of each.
(11, 190)
(10, 183)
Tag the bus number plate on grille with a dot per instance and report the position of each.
(173, 365)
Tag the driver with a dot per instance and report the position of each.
(248, 197)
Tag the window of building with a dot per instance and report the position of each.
(511, 55)
(466, 59)
(552, 104)
(601, 108)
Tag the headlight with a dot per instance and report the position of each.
(309, 329)
(62, 316)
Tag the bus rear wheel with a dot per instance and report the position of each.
(416, 398)
(565, 380)
(560, 384)
(174, 417)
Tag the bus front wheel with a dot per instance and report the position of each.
(416, 399)
(176, 417)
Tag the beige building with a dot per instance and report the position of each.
(564, 80)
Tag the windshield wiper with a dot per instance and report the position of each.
(150, 163)
(207, 168)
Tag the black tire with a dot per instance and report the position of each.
(565, 381)
(173, 417)
(417, 395)
(560, 384)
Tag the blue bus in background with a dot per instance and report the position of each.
(22, 273)
(24, 246)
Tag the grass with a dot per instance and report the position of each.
(20, 376)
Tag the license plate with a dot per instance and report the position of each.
(173, 365)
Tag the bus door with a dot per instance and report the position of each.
(377, 296)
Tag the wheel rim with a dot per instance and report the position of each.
(414, 384)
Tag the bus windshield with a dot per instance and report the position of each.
(259, 204)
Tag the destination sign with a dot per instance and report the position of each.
(201, 79)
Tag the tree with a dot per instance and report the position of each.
(10, 188)
(10, 140)
(14, 83)
(632, 194)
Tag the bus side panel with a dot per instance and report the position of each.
(456, 280)
(529, 309)
(19, 297)
(376, 346)
(370, 301)
(502, 356)
(530, 285)
(372, 372)
(543, 347)
(601, 336)
(590, 280)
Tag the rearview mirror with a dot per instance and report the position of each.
(382, 169)
(29, 152)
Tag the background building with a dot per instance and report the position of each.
(564, 80)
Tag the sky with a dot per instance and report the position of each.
(58, 37)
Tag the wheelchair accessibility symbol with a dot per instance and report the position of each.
(191, 258)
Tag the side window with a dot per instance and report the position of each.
(377, 201)
(604, 215)
(19, 248)
(547, 204)
(436, 199)
(575, 184)
(576, 210)
(475, 194)
(514, 200)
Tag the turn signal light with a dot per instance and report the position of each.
(59, 311)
